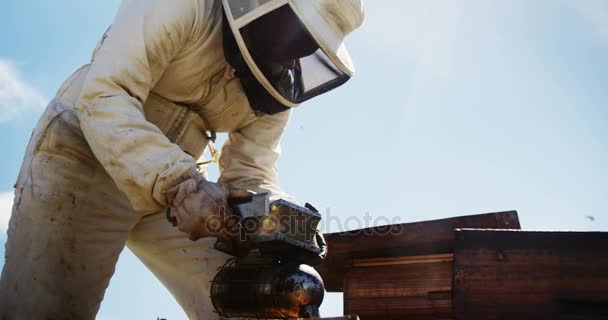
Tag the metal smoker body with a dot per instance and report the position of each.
(270, 277)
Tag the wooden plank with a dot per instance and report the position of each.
(337, 318)
(530, 275)
(400, 291)
(376, 262)
(409, 239)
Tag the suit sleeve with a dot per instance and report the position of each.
(145, 37)
(249, 157)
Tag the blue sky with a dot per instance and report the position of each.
(458, 107)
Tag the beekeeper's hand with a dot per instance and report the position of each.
(201, 207)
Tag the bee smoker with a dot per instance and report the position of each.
(270, 277)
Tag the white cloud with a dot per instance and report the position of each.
(6, 205)
(16, 95)
(596, 11)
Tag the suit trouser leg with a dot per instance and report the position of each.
(68, 226)
(186, 268)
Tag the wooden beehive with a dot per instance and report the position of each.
(402, 270)
(437, 270)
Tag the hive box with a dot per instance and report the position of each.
(474, 267)
(530, 275)
(401, 271)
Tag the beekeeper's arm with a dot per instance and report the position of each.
(145, 37)
(249, 157)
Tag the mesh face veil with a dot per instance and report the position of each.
(300, 76)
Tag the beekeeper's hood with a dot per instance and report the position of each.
(307, 68)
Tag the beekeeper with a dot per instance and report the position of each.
(119, 144)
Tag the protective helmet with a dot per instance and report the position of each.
(327, 22)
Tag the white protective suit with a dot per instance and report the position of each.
(114, 139)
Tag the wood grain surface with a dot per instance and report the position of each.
(409, 239)
(530, 275)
